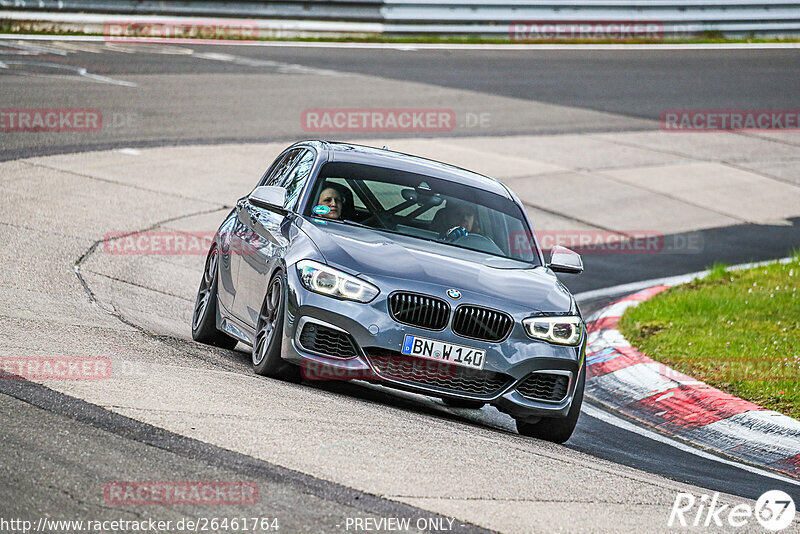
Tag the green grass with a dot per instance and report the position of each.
(738, 331)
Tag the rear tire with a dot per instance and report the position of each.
(267, 359)
(557, 429)
(204, 318)
(463, 403)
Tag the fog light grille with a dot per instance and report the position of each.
(327, 341)
(544, 387)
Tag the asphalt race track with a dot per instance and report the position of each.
(188, 129)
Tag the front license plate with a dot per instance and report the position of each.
(440, 351)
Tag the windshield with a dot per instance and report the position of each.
(422, 207)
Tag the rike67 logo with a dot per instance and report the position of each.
(774, 510)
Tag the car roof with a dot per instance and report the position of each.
(366, 155)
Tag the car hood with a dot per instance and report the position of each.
(364, 251)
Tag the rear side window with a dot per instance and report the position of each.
(281, 167)
(295, 180)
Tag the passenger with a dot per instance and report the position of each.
(335, 197)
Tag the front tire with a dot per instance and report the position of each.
(557, 429)
(267, 359)
(204, 318)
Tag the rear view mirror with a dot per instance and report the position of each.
(268, 197)
(423, 197)
(564, 260)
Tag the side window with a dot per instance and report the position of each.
(296, 179)
(271, 171)
(280, 167)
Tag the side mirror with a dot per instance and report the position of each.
(268, 197)
(564, 260)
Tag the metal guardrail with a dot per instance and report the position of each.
(675, 17)
(464, 17)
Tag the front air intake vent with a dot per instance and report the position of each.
(544, 387)
(436, 377)
(327, 341)
(484, 324)
(417, 310)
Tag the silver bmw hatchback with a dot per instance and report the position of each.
(347, 262)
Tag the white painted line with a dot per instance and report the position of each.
(26, 37)
(476, 46)
(618, 308)
(105, 79)
(597, 413)
(36, 50)
(80, 72)
(130, 151)
(437, 46)
(281, 67)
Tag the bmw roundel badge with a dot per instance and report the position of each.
(454, 293)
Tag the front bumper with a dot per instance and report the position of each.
(377, 339)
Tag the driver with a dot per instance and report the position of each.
(459, 220)
(334, 196)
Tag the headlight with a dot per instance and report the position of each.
(565, 330)
(320, 278)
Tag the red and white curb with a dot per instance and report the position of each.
(630, 382)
